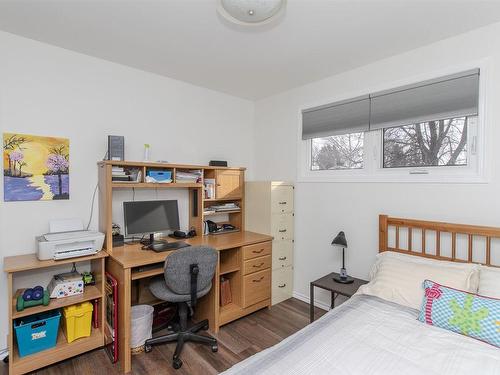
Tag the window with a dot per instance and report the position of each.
(337, 152)
(428, 131)
(427, 144)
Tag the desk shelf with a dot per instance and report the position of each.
(222, 199)
(29, 262)
(62, 350)
(91, 293)
(21, 264)
(212, 213)
(229, 270)
(136, 275)
(154, 185)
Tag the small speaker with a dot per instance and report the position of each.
(218, 163)
(116, 147)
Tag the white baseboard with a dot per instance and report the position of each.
(306, 299)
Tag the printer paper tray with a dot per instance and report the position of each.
(73, 253)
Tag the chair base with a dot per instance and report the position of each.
(182, 336)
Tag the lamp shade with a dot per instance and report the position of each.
(340, 240)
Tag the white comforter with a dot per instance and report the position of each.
(368, 336)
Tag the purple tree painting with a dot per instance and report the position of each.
(16, 157)
(35, 167)
(58, 164)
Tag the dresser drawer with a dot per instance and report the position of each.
(282, 253)
(282, 199)
(256, 287)
(282, 284)
(257, 250)
(282, 226)
(256, 264)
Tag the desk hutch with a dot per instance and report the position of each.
(244, 257)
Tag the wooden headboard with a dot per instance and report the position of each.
(391, 230)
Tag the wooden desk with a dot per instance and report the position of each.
(244, 259)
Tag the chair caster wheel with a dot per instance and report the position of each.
(205, 327)
(177, 363)
(215, 348)
(148, 348)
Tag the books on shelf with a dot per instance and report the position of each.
(119, 174)
(209, 188)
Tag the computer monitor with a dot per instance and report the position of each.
(150, 216)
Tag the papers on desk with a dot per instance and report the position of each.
(188, 177)
(221, 208)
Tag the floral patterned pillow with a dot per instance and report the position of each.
(462, 312)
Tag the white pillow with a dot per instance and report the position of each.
(489, 282)
(398, 278)
(474, 280)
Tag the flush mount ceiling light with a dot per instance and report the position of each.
(251, 12)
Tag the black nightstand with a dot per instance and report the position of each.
(327, 283)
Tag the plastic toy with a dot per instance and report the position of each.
(32, 297)
(88, 278)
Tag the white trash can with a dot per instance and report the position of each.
(141, 324)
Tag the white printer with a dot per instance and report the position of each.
(68, 239)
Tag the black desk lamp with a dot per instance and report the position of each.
(340, 241)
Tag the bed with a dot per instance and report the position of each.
(371, 335)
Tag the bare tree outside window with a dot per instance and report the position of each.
(433, 143)
(337, 152)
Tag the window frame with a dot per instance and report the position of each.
(476, 171)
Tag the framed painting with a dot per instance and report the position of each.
(35, 167)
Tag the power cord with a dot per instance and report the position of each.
(92, 205)
(93, 197)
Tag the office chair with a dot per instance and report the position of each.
(188, 274)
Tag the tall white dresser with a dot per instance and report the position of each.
(269, 209)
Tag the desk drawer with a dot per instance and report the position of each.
(257, 250)
(256, 287)
(256, 264)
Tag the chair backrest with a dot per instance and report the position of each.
(177, 268)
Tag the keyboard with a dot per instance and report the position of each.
(167, 246)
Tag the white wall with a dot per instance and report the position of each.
(322, 209)
(47, 90)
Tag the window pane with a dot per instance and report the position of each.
(433, 143)
(337, 152)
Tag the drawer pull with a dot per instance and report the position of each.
(259, 280)
(282, 202)
(257, 251)
(281, 285)
(282, 258)
(282, 230)
(258, 266)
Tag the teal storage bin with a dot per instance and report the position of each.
(38, 332)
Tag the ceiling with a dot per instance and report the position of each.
(188, 41)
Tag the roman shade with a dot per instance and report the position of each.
(455, 95)
(347, 116)
(446, 97)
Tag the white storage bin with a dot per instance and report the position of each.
(141, 324)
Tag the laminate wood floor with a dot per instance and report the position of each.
(237, 341)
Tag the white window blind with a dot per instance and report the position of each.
(446, 97)
(348, 116)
